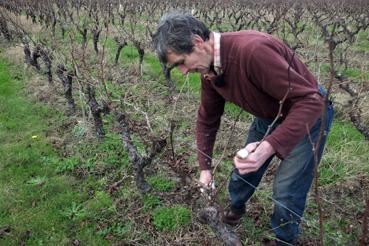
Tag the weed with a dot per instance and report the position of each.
(112, 142)
(324, 68)
(101, 203)
(75, 212)
(90, 163)
(80, 130)
(333, 171)
(161, 183)
(69, 164)
(362, 42)
(345, 134)
(151, 202)
(171, 219)
(346, 150)
(37, 181)
(356, 74)
(253, 232)
(121, 229)
(104, 232)
(126, 193)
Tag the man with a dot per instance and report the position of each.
(256, 72)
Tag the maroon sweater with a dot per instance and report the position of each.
(255, 70)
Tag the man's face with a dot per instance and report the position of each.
(198, 61)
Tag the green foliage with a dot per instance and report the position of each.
(90, 163)
(351, 72)
(151, 202)
(101, 203)
(362, 43)
(100, 207)
(75, 211)
(112, 142)
(122, 229)
(68, 164)
(88, 233)
(34, 197)
(356, 73)
(119, 230)
(332, 235)
(111, 151)
(253, 231)
(154, 64)
(38, 180)
(345, 151)
(190, 82)
(129, 52)
(93, 156)
(171, 219)
(333, 172)
(161, 183)
(343, 135)
(79, 130)
(324, 68)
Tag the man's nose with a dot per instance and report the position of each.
(182, 68)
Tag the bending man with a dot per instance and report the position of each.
(255, 71)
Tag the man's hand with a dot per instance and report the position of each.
(258, 154)
(206, 177)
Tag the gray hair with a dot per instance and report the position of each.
(175, 32)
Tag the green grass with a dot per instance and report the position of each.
(343, 135)
(253, 231)
(362, 44)
(99, 205)
(171, 219)
(34, 198)
(161, 183)
(346, 151)
(53, 200)
(151, 202)
(356, 74)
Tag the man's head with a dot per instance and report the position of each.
(182, 40)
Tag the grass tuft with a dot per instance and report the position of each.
(160, 183)
(171, 219)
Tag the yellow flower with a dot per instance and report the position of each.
(34, 136)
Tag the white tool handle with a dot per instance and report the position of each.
(242, 153)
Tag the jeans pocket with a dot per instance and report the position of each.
(330, 116)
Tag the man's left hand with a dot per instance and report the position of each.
(258, 154)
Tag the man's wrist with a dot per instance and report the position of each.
(267, 147)
(206, 177)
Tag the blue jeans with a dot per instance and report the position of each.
(292, 180)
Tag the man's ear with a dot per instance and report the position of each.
(197, 40)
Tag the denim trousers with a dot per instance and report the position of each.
(292, 179)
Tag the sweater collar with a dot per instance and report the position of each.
(217, 62)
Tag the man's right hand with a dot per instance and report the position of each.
(206, 177)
